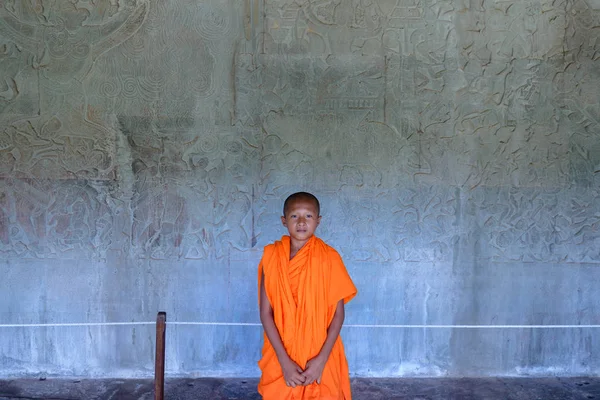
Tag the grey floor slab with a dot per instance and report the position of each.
(363, 389)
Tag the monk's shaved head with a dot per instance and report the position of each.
(301, 196)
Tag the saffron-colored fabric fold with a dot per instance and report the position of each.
(304, 293)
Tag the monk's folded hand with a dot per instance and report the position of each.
(314, 370)
(292, 373)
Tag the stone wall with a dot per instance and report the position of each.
(146, 148)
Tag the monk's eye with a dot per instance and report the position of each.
(309, 216)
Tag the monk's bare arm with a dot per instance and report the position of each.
(292, 372)
(315, 366)
(268, 323)
(334, 329)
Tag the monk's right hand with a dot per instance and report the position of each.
(292, 373)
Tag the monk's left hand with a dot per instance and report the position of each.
(314, 370)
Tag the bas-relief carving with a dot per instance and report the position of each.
(18, 88)
(409, 223)
(505, 30)
(152, 77)
(504, 122)
(509, 123)
(507, 128)
(181, 206)
(532, 91)
(300, 85)
(547, 225)
(337, 144)
(581, 40)
(384, 97)
(422, 125)
(576, 94)
(360, 27)
(177, 64)
(55, 219)
(332, 110)
(61, 41)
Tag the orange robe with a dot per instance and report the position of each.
(304, 293)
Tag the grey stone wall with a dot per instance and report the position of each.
(146, 148)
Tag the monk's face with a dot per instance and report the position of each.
(301, 219)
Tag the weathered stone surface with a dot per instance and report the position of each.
(146, 147)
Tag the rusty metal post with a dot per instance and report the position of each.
(159, 363)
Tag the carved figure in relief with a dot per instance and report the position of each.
(536, 225)
(172, 187)
(422, 221)
(11, 60)
(54, 219)
(63, 41)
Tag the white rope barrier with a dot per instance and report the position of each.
(58, 325)
(476, 326)
(90, 324)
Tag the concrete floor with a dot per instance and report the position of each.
(363, 389)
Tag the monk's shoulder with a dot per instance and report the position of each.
(269, 247)
(268, 251)
(333, 254)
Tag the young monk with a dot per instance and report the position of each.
(303, 286)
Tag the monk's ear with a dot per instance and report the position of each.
(319, 220)
(283, 221)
